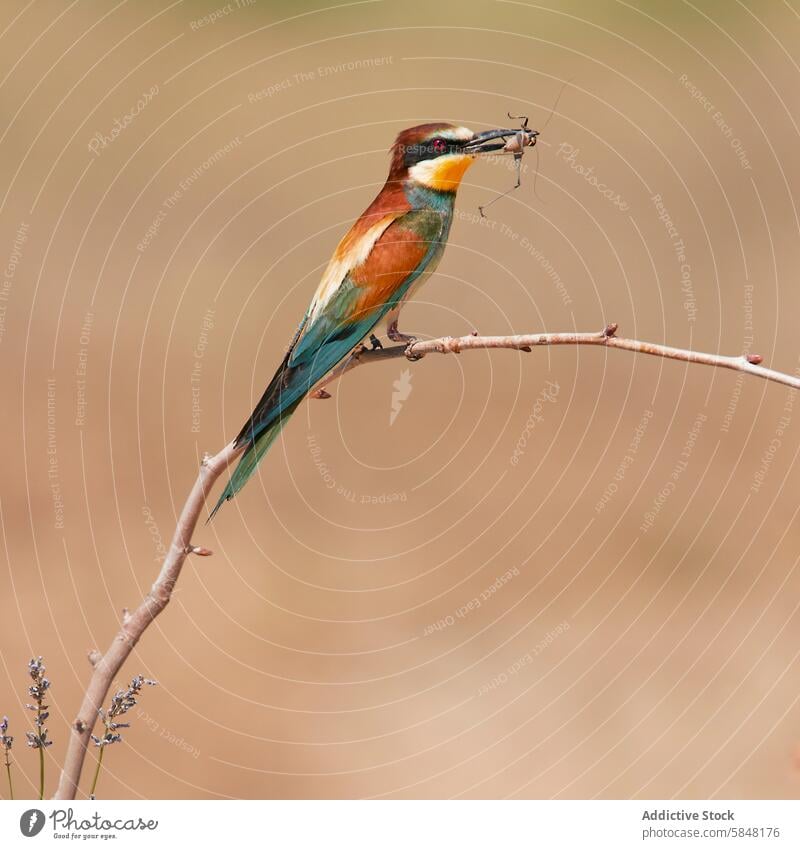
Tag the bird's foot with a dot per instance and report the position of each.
(396, 336)
(375, 342)
(410, 355)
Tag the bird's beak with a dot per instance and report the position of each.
(507, 141)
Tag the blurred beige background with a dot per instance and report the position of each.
(628, 526)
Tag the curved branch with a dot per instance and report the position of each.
(607, 338)
(134, 624)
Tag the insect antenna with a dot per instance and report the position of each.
(544, 127)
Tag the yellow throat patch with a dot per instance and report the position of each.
(443, 173)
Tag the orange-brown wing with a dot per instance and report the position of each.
(355, 247)
(369, 290)
(397, 255)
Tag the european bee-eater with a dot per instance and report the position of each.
(383, 259)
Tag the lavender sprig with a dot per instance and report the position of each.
(38, 739)
(121, 702)
(6, 742)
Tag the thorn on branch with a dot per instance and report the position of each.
(126, 616)
(322, 394)
(526, 348)
(754, 359)
(94, 656)
(79, 725)
(206, 460)
(611, 330)
(198, 549)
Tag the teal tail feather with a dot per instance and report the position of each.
(250, 460)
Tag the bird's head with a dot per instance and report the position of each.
(436, 156)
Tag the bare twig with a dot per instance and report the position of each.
(748, 363)
(135, 623)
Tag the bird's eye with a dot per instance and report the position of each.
(439, 145)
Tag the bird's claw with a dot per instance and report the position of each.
(375, 342)
(396, 336)
(410, 355)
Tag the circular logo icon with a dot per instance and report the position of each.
(31, 822)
